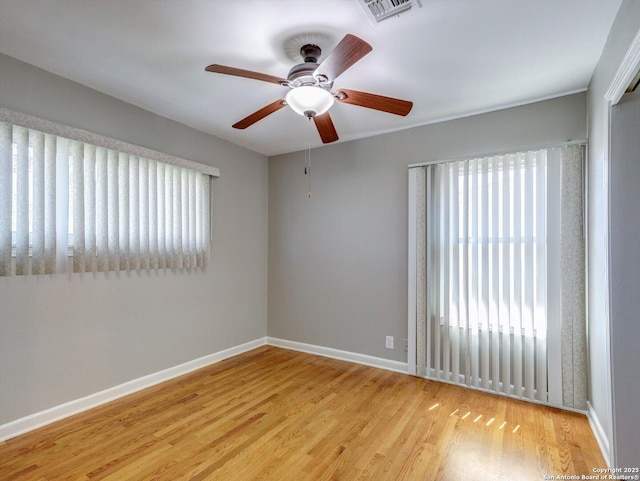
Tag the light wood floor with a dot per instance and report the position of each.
(274, 414)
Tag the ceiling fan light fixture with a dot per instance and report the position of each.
(309, 100)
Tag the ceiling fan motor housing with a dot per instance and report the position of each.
(302, 74)
(310, 53)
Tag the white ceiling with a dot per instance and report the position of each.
(451, 57)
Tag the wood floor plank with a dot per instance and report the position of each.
(275, 414)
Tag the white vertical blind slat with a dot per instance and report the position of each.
(199, 224)
(431, 313)
(143, 166)
(437, 275)
(206, 215)
(421, 309)
(177, 219)
(36, 140)
(505, 284)
(474, 292)
(484, 248)
(452, 330)
(168, 221)
(494, 275)
(184, 215)
(77, 156)
(541, 309)
(90, 188)
(101, 213)
(123, 212)
(192, 219)
(153, 214)
(134, 213)
(51, 205)
(442, 319)
(6, 196)
(21, 139)
(529, 277)
(162, 232)
(63, 194)
(464, 273)
(518, 274)
(113, 212)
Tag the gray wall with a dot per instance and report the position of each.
(622, 32)
(67, 336)
(338, 261)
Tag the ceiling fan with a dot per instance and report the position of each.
(311, 86)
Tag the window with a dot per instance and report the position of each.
(492, 233)
(496, 273)
(115, 206)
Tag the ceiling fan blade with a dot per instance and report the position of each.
(238, 72)
(325, 128)
(347, 52)
(373, 101)
(260, 114)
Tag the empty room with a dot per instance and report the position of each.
(319, 240)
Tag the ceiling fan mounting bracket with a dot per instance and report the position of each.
(340, 95)
(310, 53)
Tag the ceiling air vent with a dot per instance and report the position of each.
(379, 10)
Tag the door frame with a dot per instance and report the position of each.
(627, 70)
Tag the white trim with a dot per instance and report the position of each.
(62, 411)
(626, 72)
(42, 125)
(629, 65)
(607, 297)
(56, 413)
(355, 357)
(554, 274)
(599, 433)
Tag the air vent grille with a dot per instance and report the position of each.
(379, 10)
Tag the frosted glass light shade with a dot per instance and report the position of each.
(309, 101)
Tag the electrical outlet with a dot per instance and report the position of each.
(389, 342)
(406, 345)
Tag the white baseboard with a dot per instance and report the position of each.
(598, 432)
(372, 361)
(48, 416)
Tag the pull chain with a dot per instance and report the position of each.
(307, 164)
(307, 169)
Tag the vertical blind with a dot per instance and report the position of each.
(27, 200)
(483, 235)
(116, 210)
(132, 213)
